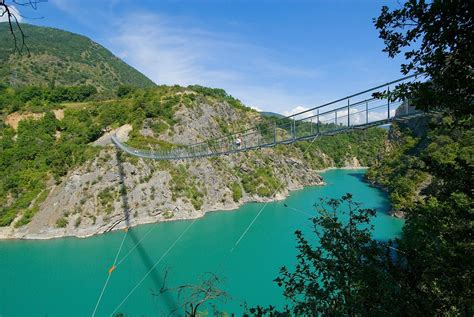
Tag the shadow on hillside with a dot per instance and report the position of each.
(383, 207)
(154, 275)
(359, 176)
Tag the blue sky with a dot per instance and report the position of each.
(277, 56)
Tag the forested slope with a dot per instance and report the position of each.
(61, 58)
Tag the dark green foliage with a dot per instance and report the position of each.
(436, 247)
(159, 127)
(60, 58)
(62, 222)
(39, 99)
(29, 213)
(436, 253)
(76, 94)
(363, 145)
(402, 172)
(236, 191)
(26, 162)
(436, 256)
(106, 198)
(260, 180)
(183, 185)
(155, 103)
(125, 90)
(78, 221)
(219, 94)
(443, 33)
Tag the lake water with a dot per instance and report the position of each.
(64, 277)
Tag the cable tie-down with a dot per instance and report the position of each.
(112, 268)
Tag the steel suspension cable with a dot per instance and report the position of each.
(153, 267)
(112, 268)
(136, 245)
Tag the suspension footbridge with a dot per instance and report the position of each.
(357, 111)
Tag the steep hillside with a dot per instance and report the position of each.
(63, 59)
(401, 170)
(59, 174)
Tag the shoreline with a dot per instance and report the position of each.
(343, 168)
(120, 225)
(146, 221)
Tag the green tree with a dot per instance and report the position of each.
(436, 251)
(436, 38)
(125, 90)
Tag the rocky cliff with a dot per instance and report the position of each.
(114, 190)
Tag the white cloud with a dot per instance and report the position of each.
(169, 54)
(380, 115)
(357, 115)
(170, 51)
(14, 11)
(299, 109)
(64, 5)
(271, 98)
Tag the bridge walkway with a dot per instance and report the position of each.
(362, 110)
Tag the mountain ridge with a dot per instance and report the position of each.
(62, 58)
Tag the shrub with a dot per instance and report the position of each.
(78, 221)
(62, 222)
(236, 191)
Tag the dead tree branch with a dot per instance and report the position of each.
(7, 9)
(194, 296)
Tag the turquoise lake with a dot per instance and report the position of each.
(64, 277)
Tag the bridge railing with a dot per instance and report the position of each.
(355, 111)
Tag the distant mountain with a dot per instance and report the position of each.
(271, 114)
(63, 59)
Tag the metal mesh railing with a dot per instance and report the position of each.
(357, 111)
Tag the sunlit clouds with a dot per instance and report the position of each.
(170, 54)
(14, 11)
